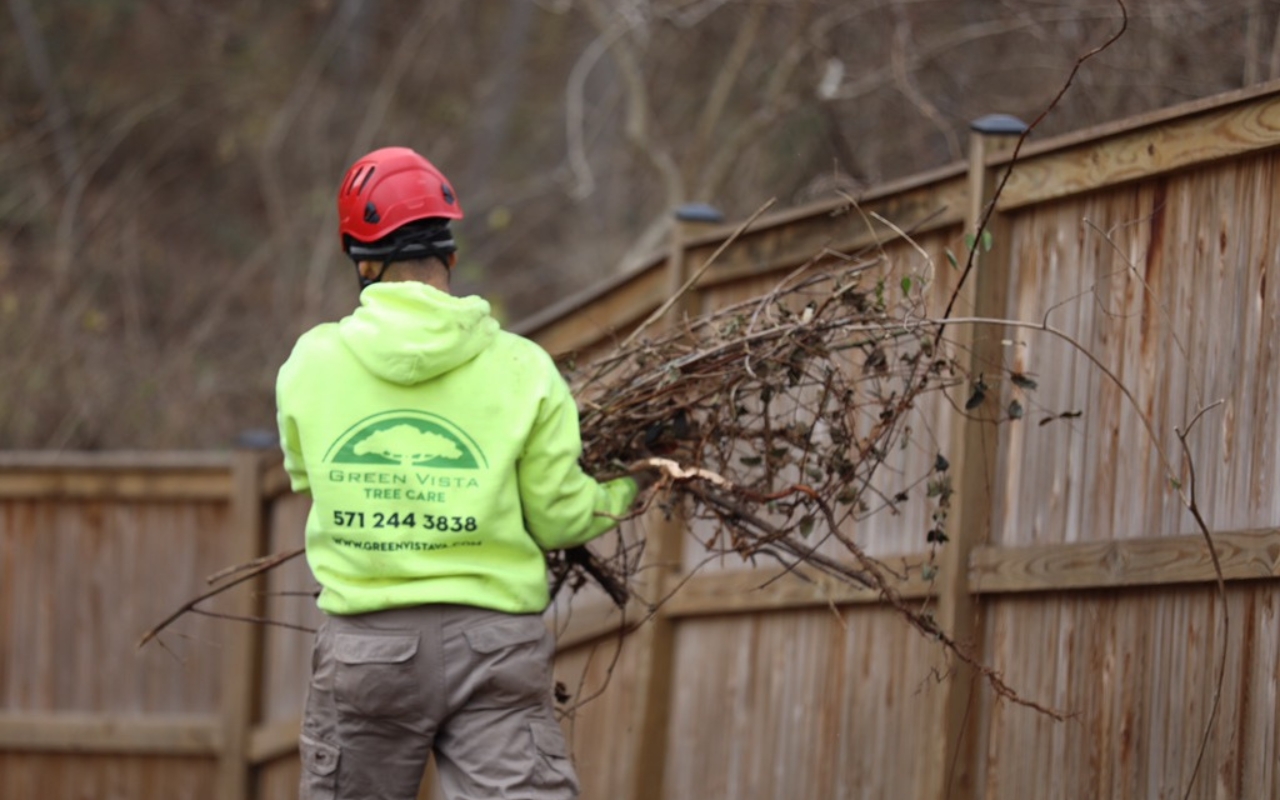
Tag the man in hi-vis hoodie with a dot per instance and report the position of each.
(441, 455)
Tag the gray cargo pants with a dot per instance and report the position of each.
(472, 686)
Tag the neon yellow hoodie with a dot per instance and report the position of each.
(441, 454)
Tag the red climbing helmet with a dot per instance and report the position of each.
(386, 190)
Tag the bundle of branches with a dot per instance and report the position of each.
(778, 413)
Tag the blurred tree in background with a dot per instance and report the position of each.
(168, 167)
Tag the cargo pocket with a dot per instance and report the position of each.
(552, 768)
(374, 675)
(515, 663)
(319, 769)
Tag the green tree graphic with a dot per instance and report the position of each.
(408, 445)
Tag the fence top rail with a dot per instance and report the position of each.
(1097, 134)
(116, 461)
(130, 476)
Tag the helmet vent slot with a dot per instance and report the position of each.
(355, 176)
(364, 181)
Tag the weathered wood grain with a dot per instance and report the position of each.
(242, 651)
(761, 589)
(1144, 152)
(1160, 561)
(67, 732)
(60, 483)
(593, 618)
(273, 741)
(1136, 670)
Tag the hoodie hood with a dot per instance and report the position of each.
(408, 332)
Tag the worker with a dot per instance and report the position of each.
(441, 456)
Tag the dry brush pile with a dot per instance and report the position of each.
(778, 415)
(783, 422)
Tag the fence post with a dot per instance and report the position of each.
(242, 647)
(654, 645)
(973, 446)
(664, 553)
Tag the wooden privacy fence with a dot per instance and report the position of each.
(96, 549)
(1073, 568)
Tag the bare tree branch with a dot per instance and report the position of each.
(639, 111)
(906, 84)
(583, 180)
(773, 103)
(242, 573)
(1189, 500)
(269, 176)
(744, 43)
(64, 137)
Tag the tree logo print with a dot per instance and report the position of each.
(407, 439)
(408, 445)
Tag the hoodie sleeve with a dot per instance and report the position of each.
(563, 506)
(290, 442)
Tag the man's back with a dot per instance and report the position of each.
(441, 454)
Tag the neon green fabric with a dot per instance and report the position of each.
(441, 454)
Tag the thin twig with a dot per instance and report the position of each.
(255, 620)
(1203, 527)
(246, 574)
(990, 208)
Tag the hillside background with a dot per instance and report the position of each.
(168, 167)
